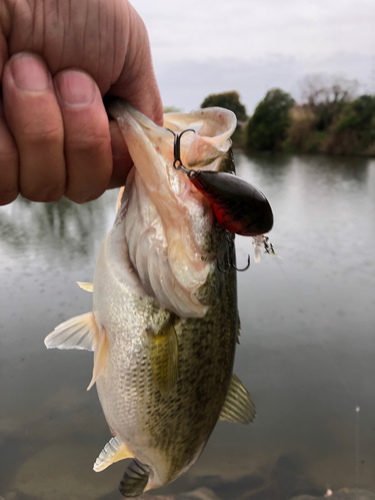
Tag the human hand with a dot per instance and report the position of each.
(57, 59)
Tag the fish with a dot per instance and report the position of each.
(164, 323)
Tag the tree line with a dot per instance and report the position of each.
(329, 120)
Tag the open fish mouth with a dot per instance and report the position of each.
(168, 223)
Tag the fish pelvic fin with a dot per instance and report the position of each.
(76, 333)
(163, 354)
(112, 452)
(238, 406)
(88, 287)
(135, 479)
(100, 356)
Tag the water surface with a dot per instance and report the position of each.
(307, 352)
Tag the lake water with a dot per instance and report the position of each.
(307, 352)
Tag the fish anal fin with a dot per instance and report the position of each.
(100, 356)
(88, 287)
(76, 333)
(163, 354)
(135, 480)
(238, 406)
(114, 451)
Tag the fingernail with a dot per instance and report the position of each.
(75, 88)
(29, 73)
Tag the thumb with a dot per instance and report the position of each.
(137, 81)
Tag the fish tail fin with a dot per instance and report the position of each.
(135, 480)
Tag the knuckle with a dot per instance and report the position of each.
(53, 136)
(90, 142)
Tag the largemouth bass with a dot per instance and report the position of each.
(164, 323)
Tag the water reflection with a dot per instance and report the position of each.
(306, 355)
(25, 224)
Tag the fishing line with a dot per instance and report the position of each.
(277, 258)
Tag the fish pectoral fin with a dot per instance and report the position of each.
(100, 356)
(163, 353)
(76, 333)
(88, 287)
(238, 406)
(135, 479)
(112, 452)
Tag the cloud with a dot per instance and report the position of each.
(248, 29)
(187, 82)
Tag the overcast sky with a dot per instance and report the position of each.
(205, 46)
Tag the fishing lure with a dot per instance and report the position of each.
(238, 206)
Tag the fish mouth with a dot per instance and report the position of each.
(168, 223)
(213, 128)
(208, 142)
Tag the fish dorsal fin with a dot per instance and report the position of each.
(88, 287)
(163, 354)
(100, 356)
(135, 479)
(112, 452)
(76, 333)
(238, 406)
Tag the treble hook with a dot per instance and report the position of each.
(177, 164)
(192, 174)
(229, 263)
(246, 267)
(231, 253)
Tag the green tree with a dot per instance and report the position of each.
(229, 100)
(268, 126)
(354, 130)
(359, 115)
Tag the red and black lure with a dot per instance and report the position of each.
(239, 207)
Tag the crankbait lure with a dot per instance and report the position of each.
(238, 206)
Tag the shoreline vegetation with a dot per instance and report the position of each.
(329, 120)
